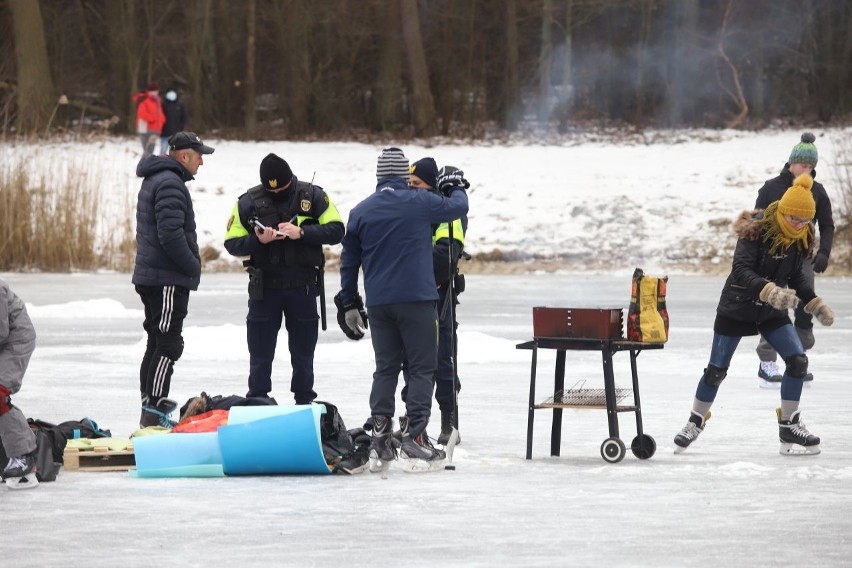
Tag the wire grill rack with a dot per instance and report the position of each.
(579, 396)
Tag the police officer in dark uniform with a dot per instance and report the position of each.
(281, 225)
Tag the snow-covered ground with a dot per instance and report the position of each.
(657, 200)
(731, 500)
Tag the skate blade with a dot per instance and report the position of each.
(797, 450)
(376, 465)
(28, 481)
(764, 384)
(416, 465)
(680, 449)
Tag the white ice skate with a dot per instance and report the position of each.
(20, 473)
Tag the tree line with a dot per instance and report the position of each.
(343, 68)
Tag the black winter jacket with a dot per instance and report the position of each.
(774, 189)
(166, 241)
(740, 311)
(175, 117)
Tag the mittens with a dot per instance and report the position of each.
(777, 297)
(820, 311)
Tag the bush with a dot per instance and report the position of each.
(52, 228)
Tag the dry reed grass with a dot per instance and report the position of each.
(56, 229)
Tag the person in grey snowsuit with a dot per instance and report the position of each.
(168, 266)
(803, 159)
(17, 343)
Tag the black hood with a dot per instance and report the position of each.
(151, 165)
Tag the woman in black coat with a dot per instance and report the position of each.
(765, 282)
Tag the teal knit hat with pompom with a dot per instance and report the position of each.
(804, 152)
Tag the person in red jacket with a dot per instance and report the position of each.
(149, 117)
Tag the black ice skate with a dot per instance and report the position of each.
(158, 414)
(382, 452)
(795, 438)
(690, 432)
(20, 473)
(449, 422)
(419, 453)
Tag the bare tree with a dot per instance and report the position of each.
(36, 96)
(737, 94)
(251, 83)
(423, 106)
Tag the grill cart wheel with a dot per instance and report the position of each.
(613, 450)
(650, 446)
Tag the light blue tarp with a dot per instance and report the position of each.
(258, 440)
(262, 440)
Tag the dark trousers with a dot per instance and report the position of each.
(407, 329)
(447, 349)
(297, 307)
(165, 309)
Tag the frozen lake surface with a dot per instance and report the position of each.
(731, 500)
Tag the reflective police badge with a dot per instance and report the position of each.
(305, 204)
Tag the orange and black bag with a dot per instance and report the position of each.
(647, 316)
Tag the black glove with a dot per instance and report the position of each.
(351, 316)
(820, 262)
(450, 177)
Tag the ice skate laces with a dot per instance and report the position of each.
(799, 430)
(690, 431)
(15, 463)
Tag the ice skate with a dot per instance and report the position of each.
(158, 414)
(690, 432)
(770, 375)
(449, 421)
(20, 473)
(382, 452)
(795, 438)
(418, 452)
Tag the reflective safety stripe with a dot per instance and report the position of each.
(443, 232)
(235, 227)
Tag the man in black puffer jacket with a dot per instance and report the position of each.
(803, 159)
(168, 266)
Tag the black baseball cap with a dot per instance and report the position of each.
(184, 140)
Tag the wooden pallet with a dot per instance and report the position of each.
(98, 459)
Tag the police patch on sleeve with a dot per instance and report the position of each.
(305, 204)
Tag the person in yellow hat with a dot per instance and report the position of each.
(766, 280)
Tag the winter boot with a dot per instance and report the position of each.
(420, 453)
(20, 472)
(770, 375)
(690, 432)
(449, 420)
(795, 438)
(382, 451)
(158, 414)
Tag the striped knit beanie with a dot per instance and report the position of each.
(804, 152)
(392, 163)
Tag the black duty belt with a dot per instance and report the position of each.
(283, 283)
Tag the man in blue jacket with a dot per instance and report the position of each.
(168, 266)
(389, 234)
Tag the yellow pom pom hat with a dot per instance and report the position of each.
(798, 200)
